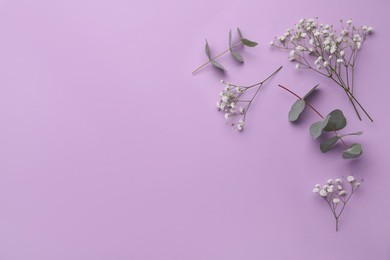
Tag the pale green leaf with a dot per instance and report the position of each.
(328, 144)
(317, 127)
(296, 110)
(217, 65)
(248, 43)
(237, 56)
(354, 151)
(337, 121)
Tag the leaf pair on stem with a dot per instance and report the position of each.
(333, 122)
(233, 52)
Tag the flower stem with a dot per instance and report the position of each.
(219, 55)
(337, 224)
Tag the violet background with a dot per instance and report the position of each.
(111, 149)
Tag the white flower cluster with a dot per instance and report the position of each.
(334, 190)
(228, 103)
(322, 41)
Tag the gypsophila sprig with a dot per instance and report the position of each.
(235, 101)
(232, 49)
(320, 48)
(337, 195)
(333, 122)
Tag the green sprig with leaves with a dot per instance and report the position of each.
(232, 49)
(333, 122)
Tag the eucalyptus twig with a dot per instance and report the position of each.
(334, 194)
(231, 49)
(216, 57)
(315, 110)
(334, 121)
(234, 105)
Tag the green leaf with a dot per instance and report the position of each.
(296, 110)
(356, 133)
(337, 121)
(237, 56)
(354, 151)
(230, 39)
(317, 127)
(207, 50)
(310, 92)
(328, 144)
(217, 65)
(239, 33)
(248, 43)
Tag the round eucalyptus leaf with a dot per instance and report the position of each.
(310, 92)
(317, 127)
(337, 121)
(354, 151)
(296, 110)
(328, 144)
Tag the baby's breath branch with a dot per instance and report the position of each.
(336, 53)
(216, 57)
(233, 106)
(315, 110)
(334, 193)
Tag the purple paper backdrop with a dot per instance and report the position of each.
(111, 149)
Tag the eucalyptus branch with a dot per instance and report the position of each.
(231, 49)
(334, 121)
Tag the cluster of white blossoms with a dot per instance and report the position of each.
(334, 188)
(229, 104)
(334, 194)
(323, 42)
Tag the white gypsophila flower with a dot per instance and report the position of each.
(317, 33)
(330, 188)
(357, 184)
(342, 53)
(317, 185)
(218, 104)
(240, 125)
(272, 43)
(339, 187)
(349, 22)
(232, 105)
(323, 193)
(336, 200)
(225, 98)
(338, 180)
(333, 49)
(316, 190)
(297, 66)
(281, 38)
(342, 193)
(222, 81)
(351, 178)
(326, 64)
(227, 116)
(242, 110)
(319, 67)
(340, 60)
(329, 181)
